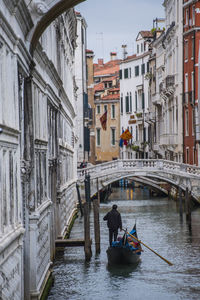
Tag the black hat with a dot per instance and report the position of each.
(114, 206)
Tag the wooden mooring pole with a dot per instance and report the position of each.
(88, 250)
(180, 202)
(188, 206)
(96, 225)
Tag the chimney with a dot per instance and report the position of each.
(100, 61)
(113, 55)
(124, 51)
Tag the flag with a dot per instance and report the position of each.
(103, 120)
(121, 142)
(125, 143)
(126, 135)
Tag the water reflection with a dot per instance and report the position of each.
(120, 271)
(160, 227)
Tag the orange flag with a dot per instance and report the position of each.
(103, 120)
(126, 135)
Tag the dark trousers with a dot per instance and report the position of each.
(112, 233)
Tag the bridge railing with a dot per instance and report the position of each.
(128, 164)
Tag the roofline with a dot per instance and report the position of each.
(136, 58)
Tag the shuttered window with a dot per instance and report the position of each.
(137, 71)
(125, 73)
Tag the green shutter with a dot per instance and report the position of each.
(143, 104)
(127, 104)
(125, 73)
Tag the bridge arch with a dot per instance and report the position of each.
(43, 14)
(176, 174)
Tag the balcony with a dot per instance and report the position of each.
(150, 117)
(88, 114)
(156, 99)
(170, 81)
(168, 139)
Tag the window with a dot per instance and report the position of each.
(120, 74)
(193, 15)
(113, 136)
(192, 81)
(121, 103)
(136, 134)
(125, 73)
(145, 134)
(186, 16)
(136, 101)
(98, 109)
(186, 88)
(105, 108)
(129, 72)
(138, 49)
(192, 85)
(127, 103)
(130, 102)
(98, 137)
(186, 50)
(143, 68)
(194, 156)
(132, 134)
(144, 46)
(143, 102)
(113, 111)
(193, 120)
(192, 57)
(137, 71)
(186, 123)
(147, 66)
(187, 155)
(141, 47)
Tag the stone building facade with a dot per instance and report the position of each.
(81, 81)
(90, 92)
(106, 100)
(191, 40)
(37, 140)
(134, 98)
(172, 86)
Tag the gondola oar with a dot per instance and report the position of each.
(169, 263)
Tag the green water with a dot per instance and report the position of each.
(160, 227)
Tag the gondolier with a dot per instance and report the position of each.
(114, 222)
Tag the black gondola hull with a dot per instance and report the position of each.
(121, 255)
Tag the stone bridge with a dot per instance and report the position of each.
(176, 174)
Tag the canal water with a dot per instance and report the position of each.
(158, 226)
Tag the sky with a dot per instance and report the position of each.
(112, 23)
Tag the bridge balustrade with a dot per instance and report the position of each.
(177, 174)
(123, 165)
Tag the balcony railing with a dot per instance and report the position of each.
(169, 139)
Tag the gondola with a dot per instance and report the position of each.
(125, 251)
